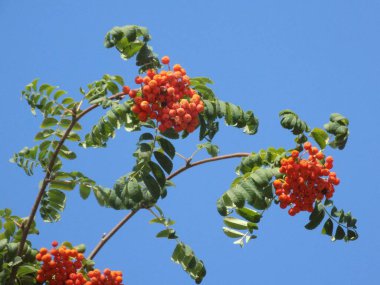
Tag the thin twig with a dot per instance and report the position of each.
(116, 96)
(104, 239)
(211, 159)
(181, 156)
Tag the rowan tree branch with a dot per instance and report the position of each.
(188, 165)
(105, 238)
(75, 118)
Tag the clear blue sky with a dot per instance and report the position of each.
(316, 58)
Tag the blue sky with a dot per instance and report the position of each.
(316, 58)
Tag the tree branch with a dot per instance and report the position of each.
(116, 96)
(45, 183)
(188, 165)
(47, 180)
(104, 239)
(211, 159)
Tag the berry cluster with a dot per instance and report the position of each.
(167, 97)
(107, 278)
(61, 266)
(306, 180)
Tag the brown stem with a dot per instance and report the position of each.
(116, 96)
(105, 238)
(188, 165)
(45, 183)
(37, 202)
(211, 159)
(47, 180)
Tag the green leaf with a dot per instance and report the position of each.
(316, 217)
(27, 159)
(132, 40)
(167, 233)
(166, 146)
(53, 202)
(67, 154)
(134, 190)
(339, 234)
(164, 161)
(232, 233)
(239, 224)
(201, 80)
(146, 137)
(291, 121)
(221, 207)
(178, 251)
(338, 127)
(233, 116)
(352, 235)
(43, 134)
(320, 136)
(237, 197)
(249, 214)
(235, 223)
(248, 163)
(49, 122)
(170, 133)
(65, 123)
(67, 185)
(84, 190)
(328, 227)
(9, 227)
(212, 149)
(152, 185)
(80, 247)
(58, 94)
(25, 270)
(158, 173)
(68, 101)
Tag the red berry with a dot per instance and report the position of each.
(126, 89)
(307, 145)
(165, 59)
(138, 80)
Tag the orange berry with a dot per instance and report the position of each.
(144, 106)
(143, 116)
(152, 83)
(307, 145)
(43, 250)
(170, 90)
(133, 93)
(295, 153)
(320, 155)
(138, 100)
(126, 89)
(177, 67)
(146, 89)
(181, 112)
(138, 80)
(200, 108)
(150, 73)
(187, 118)
(314, 150)
(46, 258)
(329, 159)
(135, 109)
(165, 59)
(277, 184)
